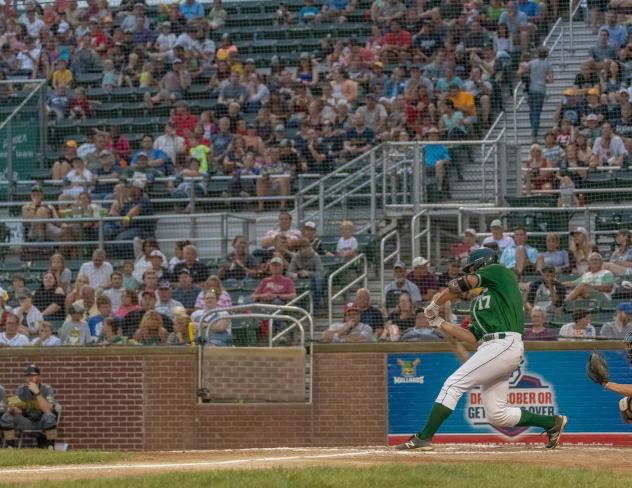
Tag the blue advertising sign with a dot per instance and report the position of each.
(547, 383)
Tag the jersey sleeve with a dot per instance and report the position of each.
(491, 276)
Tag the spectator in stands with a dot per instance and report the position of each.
(36, 209)
(49, 298)
(308, 13)
(223, 297)
(274, 179)
(622, 254)
(96, 323)
(401, 320)
(553, 256)
(129, 303)
(603, 52)
(517, 23)
(217, 16)
(347, 246)
(182, 335)
(186, 291)
(580, 327)
(75, 330)
(165, 304)
(150, 281)
(336, 10)
(284, 227)
(239, 264)
(11, 337)
(168, 144)
(115, 292)
(597, 283)
(397, 44)
(310, 233)
(62, 274)
(29, 317)
(172, 85)
(426, 281)
(351, 330)
(520, 256)
(609, 148)
(546, 293)
(143, 250)
(401, 284)
(279, 249)
(594, 106)
(498, 236)
(98, 271)
(306, 264)
(191, 10)
(579, 249)
(197, 270)
(537, 177)
(369, 314)
(206, 321)
(620, 327)
(452, 272)
(276, 288)
(138, 205)
(538, 330)
(540, 73)
(151, 330)
(45, 337)
(436, 157)
(463, 249)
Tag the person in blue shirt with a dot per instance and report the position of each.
(191, 9)
(436, 157)
(520, 257)
(618, 33)
(308, 13)
(531, 9)
(157, 158)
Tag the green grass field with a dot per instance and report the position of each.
(466, 475)
(41, 457)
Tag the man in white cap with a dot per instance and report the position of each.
(309, 233)
(400, 283)
(426, 281)
(462, 249)
(498, 236)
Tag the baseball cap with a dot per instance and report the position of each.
(155, 254)
(569, 92)
(166, 23)
(23, 293)
(138, 184)
(593, 91)
(176, 61)
(548, 268)
(142, 154)
(580, 230)
(399, 264)
(36, 188)
(32, 369)
(310, 225)
(164, 284)
(184, 271)
(276, 260)
(279, 128)
(250, 60)
(625, 307)
(71, 143)
(432, 130)
(63, 27)
(148, 292)
(623, 91)
(378, 64)
(350, 306)
(420, 261)
(580, 313)
(469, 230)
(592, 117)
(496, 223)
(284, 143)
(275, 60)
(304, 55)
(455, 84)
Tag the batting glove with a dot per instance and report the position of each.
(431, 311)
(436, 323)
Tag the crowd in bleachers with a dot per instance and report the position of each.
(590, 145)
(189, 89)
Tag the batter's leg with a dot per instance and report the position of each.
(494, 398)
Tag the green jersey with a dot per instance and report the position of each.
(499, 307)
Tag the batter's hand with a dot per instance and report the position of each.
(432, 311)
(436, 323)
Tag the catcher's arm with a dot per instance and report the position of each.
(625, 390)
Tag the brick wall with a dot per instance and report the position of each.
(133, 399)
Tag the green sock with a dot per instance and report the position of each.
(438, 414)
(534, 420)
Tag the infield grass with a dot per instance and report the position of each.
(42, 457)
(465, 475)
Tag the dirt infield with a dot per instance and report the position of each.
(607, 458)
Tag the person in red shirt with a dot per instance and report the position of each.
(183, 120)
(276, 288)
(98, 39)
(397, 44)
(426, 281)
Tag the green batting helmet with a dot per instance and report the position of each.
(479, 258)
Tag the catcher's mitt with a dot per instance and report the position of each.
(597, 369)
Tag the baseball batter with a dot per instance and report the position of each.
(497, 326)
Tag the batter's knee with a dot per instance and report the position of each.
(499, 418)
(450, 394)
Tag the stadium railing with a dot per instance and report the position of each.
(355, 271)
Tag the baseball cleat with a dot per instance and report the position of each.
(555, 433)
(415, 443)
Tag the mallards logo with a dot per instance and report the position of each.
(408, 372)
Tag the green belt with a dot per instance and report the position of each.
(491, 337)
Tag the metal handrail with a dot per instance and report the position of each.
(330, 281)
(384, 259)
(571, 15)
(263, 306)
(518, 103)
(306, 294)
(416, 236)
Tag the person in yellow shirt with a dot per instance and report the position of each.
(62, 75)
(464, 101)
(200, 152)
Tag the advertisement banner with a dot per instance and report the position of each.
(547, 383)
